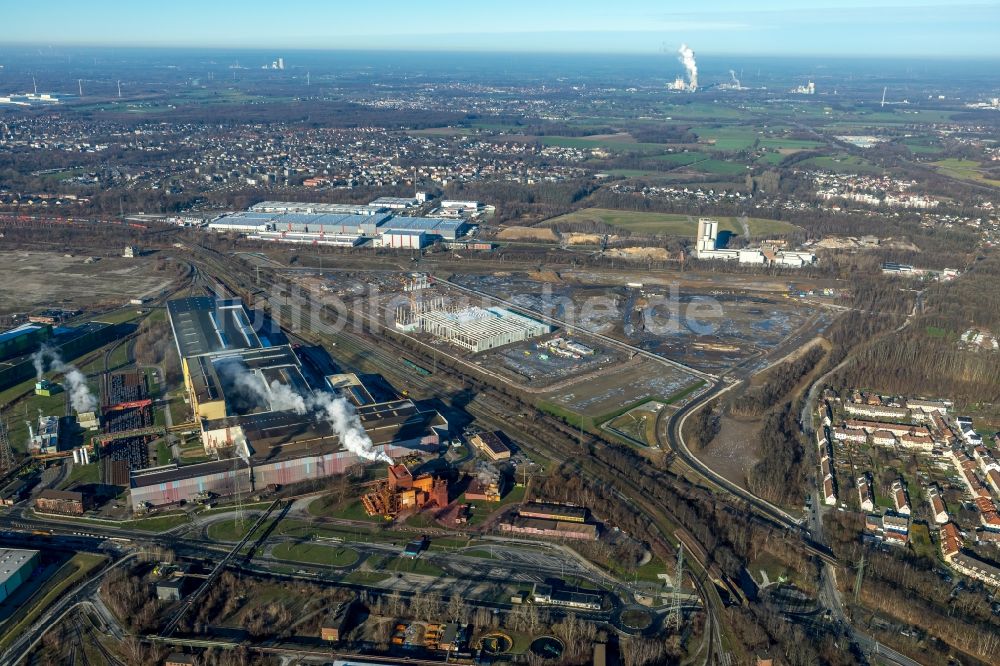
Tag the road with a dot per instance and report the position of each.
(673, 432)
(829, 594)
(82, 593)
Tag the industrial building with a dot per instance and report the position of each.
(396, 203)
(46, 439)
(317, 208)
(401, 491)
(65, 502)
(477, 329)
(259, 415)
(487, 489)
(334, 628)
(344, 225)
(203, 325)
(546, 511)
(403, 239)
(23, 339)
(16, 566)
(542, 593)
(490, 444)
(68, 341)
(706, 248)
(13, 492)
(558, 521)
(213, 381)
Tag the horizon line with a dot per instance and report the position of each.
(855, 55)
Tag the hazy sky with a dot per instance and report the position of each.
(931, 28)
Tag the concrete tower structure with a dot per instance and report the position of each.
(708, 235)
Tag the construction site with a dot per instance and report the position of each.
(469, 327)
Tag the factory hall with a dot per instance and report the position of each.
(266, 422)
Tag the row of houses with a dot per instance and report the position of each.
(966, 467)
(963, 562)
(826, 469)
(885, 434)
(890, 528)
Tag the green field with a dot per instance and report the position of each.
(614, 145)
(230, 530)
(82, 474)
(790, 144)
(964, 170)
(680, 159)
(729, 138)
(726, 138)
(842, 163)
(669, 224)
(351, 509)
(703, 111)
(415, 565)
(316, 554)
(922, 145)
(719, 167)
(771, 159)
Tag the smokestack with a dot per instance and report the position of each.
(686, 58)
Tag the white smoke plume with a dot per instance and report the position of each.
(333, 409)
(80, 395)
(38, 358)
(344, 420)
(732, 75)
(686, 58)
(284, 399)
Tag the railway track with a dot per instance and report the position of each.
(669, 531)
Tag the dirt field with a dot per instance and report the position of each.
(30, 280)
(731, 454)
(640, 253)
(669, 224)
(599, 398)
(582, 239)
(709, 328)
(638, 424)
(528, 233)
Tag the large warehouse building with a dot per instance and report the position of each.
(479, 329)
(16, 566)
(263, 420)
(343, 225)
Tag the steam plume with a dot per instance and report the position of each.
(333, 409)
(344, 420)
(686, 58)
(80, 395)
